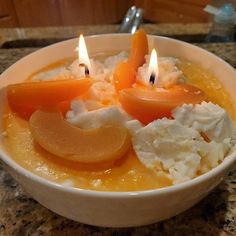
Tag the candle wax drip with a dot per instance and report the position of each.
(86, 70)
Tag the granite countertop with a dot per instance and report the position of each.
(21, 215)
(73, 31)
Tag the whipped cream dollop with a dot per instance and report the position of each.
(181, 151)
(102, 89)
(168, 75)
(80, 116)
(111, 62)
(96, 71)
(99, 70)
(206, 117)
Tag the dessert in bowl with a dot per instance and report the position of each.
(122, 146)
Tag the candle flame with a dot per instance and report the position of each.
(153, 69)
(83, 53)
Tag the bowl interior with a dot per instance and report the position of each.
(105, 43)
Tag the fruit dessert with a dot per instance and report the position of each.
(120, 122)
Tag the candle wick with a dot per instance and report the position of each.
(86, 70)
(152, 78)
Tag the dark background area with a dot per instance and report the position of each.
(32, 13)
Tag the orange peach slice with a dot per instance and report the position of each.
(26, 111)
(124, 76)
(60, 138)
(25, 98)
(125, 72)
(139, 48)
(46, 93)
(148, 105)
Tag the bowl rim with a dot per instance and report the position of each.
(227, 162)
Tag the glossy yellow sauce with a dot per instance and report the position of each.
(210, 85)
(127, 174)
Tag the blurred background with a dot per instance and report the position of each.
(32, 13)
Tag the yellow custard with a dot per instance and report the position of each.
(210, 85)
(127, 174)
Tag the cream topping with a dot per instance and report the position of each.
(168, 75)
(180, 150)
(206, 117)
(81, 117)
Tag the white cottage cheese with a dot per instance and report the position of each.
(81, 117)
(181, 150)
(206, 117)
(168, 75)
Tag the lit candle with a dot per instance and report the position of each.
(159, 73)
(153, 69)
(148, 99)
(149, 76)
(83, 57)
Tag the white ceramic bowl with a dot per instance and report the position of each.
(117, 209)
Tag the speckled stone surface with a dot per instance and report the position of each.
(74, 31)
(227, 51)
(21, 215)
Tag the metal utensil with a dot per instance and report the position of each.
(127, 20)
(137, 20)
(132, 20)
